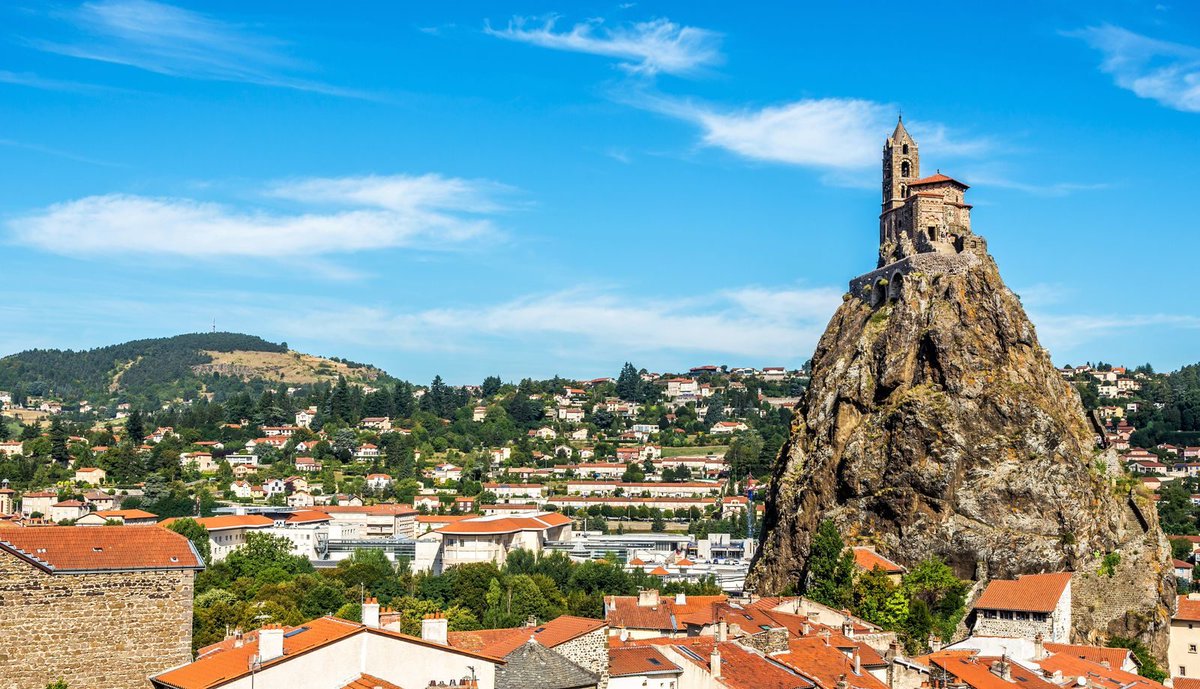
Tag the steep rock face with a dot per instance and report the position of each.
(936, 425)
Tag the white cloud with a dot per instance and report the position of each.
(646, 48)
(1066, 331)
(367, 213)
(174, 41)
(1166, 72)
(749, 322)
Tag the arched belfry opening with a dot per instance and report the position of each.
(895, 287)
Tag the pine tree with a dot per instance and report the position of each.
(629, 383)
(58, 442)
(135, 427)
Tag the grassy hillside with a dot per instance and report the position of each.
(146, 372)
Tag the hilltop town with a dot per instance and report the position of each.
(360, 531)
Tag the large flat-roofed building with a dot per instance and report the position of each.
(488, 539)
(101, 608)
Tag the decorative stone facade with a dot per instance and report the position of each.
(1053, 626)
(589, 651)
(102, 630)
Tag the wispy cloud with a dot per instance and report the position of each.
(644, 48)
(1066, 331)
(329, 216)
(1166, 72)
(38, 82)
(780, 323)
(838, 135)
(178, 42)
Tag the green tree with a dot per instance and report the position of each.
(135, 427)
(491, 385)
(830, 568)
(629, 384)
(1148, 666)
(266, 557)
(58, 441)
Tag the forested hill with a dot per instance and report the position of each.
(151, 371)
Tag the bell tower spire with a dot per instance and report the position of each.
(901, 165)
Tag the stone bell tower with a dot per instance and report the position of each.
(901, 166)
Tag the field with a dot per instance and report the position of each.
(694, 451)
(290, 367)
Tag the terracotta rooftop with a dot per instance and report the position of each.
(825, 663)
(975, 671)
(741, 668)
(307, 517)
(78, 549)
(371, 682)
(499, 525)
(501, 642)
(624, 611)
(1096, 674)
(1187, 609)
(867, 559)
(126, 514)
(639, 660)
(1028, 593)
(225, 662)
(934, 179)
(389, 508)
(1097, 654)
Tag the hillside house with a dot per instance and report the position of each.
(1024, 607)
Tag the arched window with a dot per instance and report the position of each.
(904, 169)
(903, 191)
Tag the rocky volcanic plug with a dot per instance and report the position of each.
(935, 424)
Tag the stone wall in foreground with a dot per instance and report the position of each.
(95, 631)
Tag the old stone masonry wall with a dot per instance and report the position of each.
(95, 631)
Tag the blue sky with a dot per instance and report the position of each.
(541, 188)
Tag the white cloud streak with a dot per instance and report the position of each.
(331, 216)
(646, 48)
(752, 322)
(838, 135)
(170, 40)
(1168, 73)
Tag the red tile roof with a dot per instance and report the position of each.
(307, 517)
(867, 559)
(371, 682)
(224, 662)
(387, 508)
(501, 642)
(975, 671)
(494, 525)
(624, 611)
(1116, 657)
(741, 668)
(934, 179)
(126, 514)
(1187, 609)
(1028, 593)
(639, 660)
(74, 549)
(825, 663)
(1095, 673)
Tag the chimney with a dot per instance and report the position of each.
(531, 621)
(238, 640)
(270, 643)
(434, 628)
(825, 634)
(1039, 646)
(935, 643)
(857, 661)
(1002, 669)
(1105, 664)
(714, 663)
(805, 629)
(681, 599)
(847, 628)
(370, 613)
(722, 631)
(648, 598)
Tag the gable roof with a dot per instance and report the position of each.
(81, 549)
(1096, 674)
(934, 179)
(1187, 609)
(867, 560)
(741, 667)
(1028, 593)
(639, 660)
(501, 642)
(1116, 657)
(499, 524)
(825, 663)
(534, 665)
(225, 662)
(975, 671)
